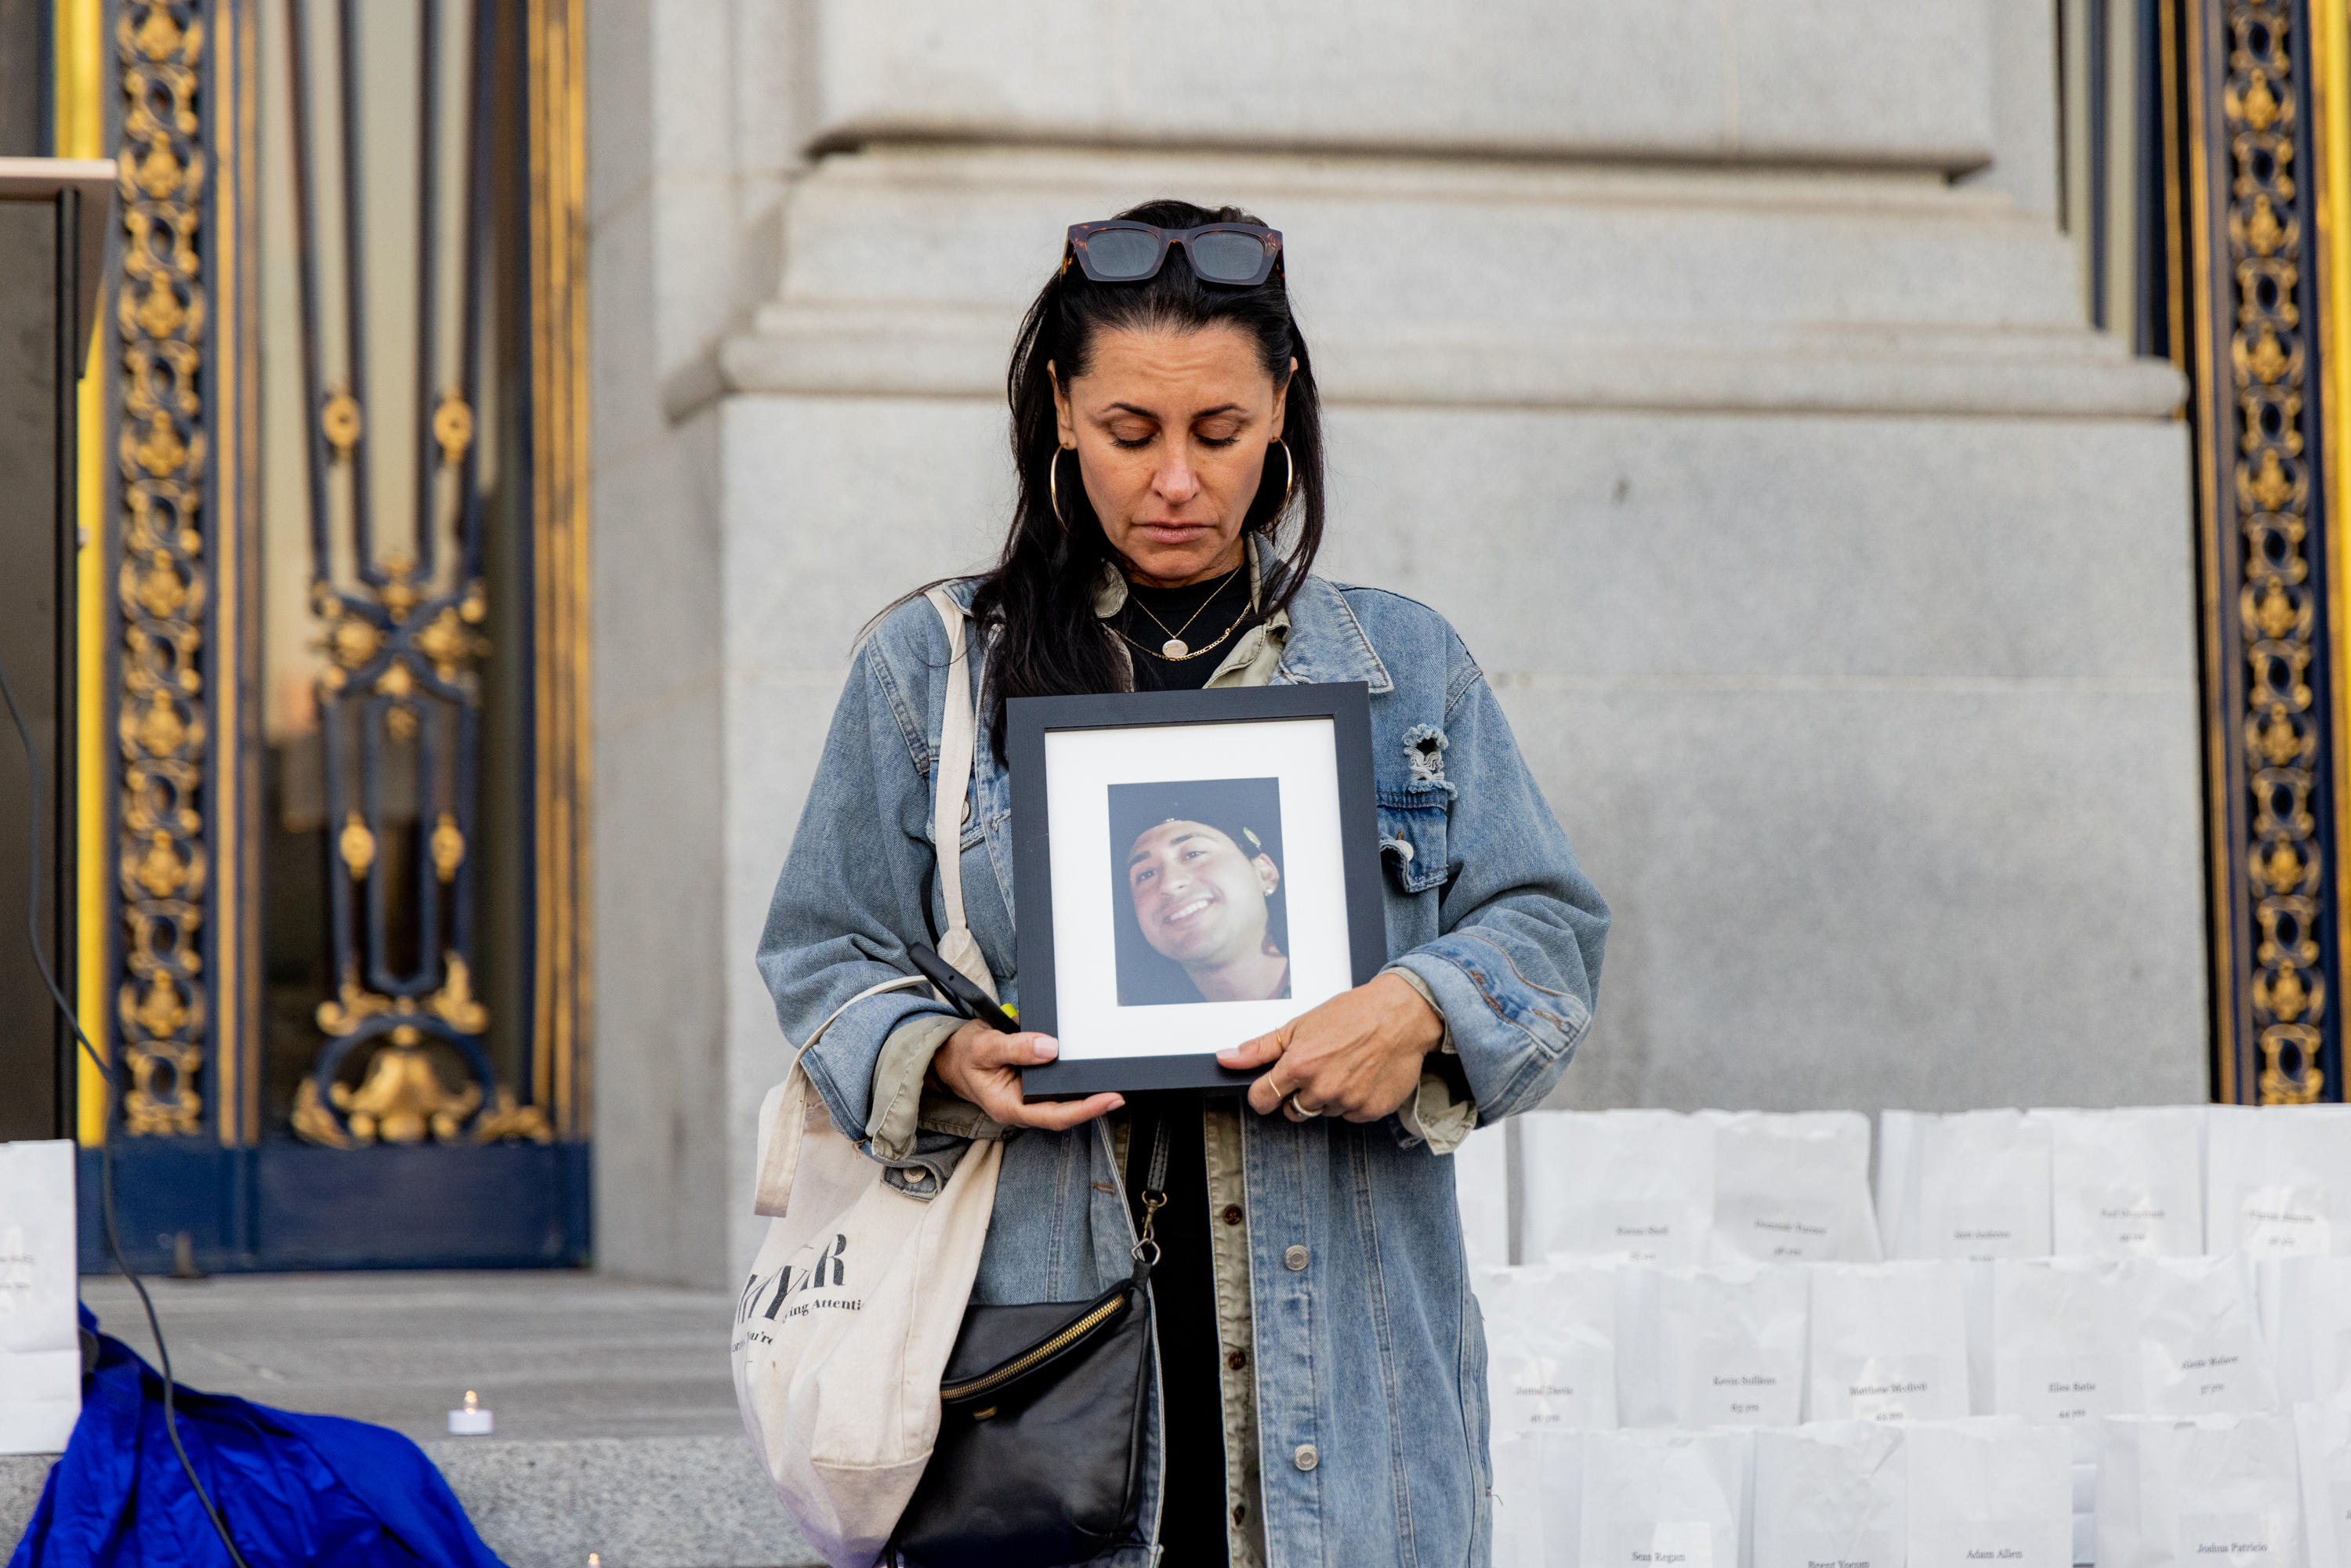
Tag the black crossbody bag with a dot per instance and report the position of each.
(1040, 1454)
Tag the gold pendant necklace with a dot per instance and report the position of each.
(1174, 650)
(1182, 653)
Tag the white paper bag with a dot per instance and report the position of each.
(40, 1334)
(2126, 1183)
(1972, 1183)
(1990, 1489)
(1518, 1498)
(1888, 1343)
(1835, 1491)
(1538, 1500)
(1793, 1188)
(2278, 1180)
(1551, 1346)
(1896, 1150)
(2306, 1306)
(2201, 1345)
(1601, 1182)
(2065, 1339)
(1665, 1500)
(2075, 1339)
(2323, 1444)
(1563, 1498)
(2210, 1491)
(1717, 1345)
(1481, 1189)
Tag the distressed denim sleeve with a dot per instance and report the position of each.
(1518, 964)
(856, 886)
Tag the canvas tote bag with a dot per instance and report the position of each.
(857, 1294)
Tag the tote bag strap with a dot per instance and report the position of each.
(958, 739)
(783, 1118)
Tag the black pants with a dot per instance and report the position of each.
(1184, 1295)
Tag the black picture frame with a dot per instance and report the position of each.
(1028, 720)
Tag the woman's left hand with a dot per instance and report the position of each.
(1358, 1055)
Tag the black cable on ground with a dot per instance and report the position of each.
(106, 1141)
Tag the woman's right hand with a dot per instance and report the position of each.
(983, 1065)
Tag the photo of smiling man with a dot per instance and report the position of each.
(1201, 914)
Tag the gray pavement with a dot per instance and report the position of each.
(616, 1430)
(554, 1354)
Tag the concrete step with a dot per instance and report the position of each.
(616, 1430)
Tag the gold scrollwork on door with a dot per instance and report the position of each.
(2278, 726)
(163, 1001)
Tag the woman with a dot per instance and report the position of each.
(1203, 887)
(1322, 1394)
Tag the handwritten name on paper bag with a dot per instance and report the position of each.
(2016, 1542)
(2284, 1220)
(2233, 1539)
(1681, 1545)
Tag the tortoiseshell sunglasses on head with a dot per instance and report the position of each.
(1122, 251)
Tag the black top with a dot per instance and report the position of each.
(1184, 1298)
(1221, 620)
(1192, 1516)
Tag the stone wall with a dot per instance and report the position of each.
(1715, 366)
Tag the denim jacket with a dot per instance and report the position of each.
(1368, 1355)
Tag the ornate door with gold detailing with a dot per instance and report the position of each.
(2249, 177)
(2206, 180)
(342, 592)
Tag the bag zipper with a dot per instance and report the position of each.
(998, 1376)
(1155, 1198)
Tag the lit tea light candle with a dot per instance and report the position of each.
(472, 1421)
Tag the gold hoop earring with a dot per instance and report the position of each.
(1053, 485)
(1288, 477)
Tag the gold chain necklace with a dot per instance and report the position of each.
(1176, 658)
(1174, 650)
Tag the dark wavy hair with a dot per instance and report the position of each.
(1037, 603)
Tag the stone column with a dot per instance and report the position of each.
(1834, 574)
(690, 139)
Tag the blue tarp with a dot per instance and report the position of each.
(294, 1489)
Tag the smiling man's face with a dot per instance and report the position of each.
(1198, 897)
